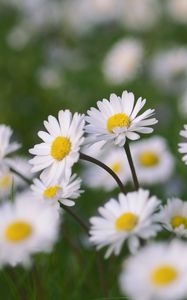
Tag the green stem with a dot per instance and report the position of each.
(106, 168)
(131, 164)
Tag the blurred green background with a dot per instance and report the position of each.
(70, 272)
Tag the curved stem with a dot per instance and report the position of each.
(131, 164)
(106, 168)
(27, 180)
(76, 217)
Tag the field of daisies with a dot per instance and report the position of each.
(93, 149)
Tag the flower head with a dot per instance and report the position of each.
(65, 190)
(157, 272)
(27, 226)
(173, 216)
(183, 146)
(117, 119)
(6, 147)
(153, 161)
(131, 217)
(60, 147)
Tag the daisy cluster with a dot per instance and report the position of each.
(129, 223)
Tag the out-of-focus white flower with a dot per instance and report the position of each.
(27, 226)
(157, 272)
(139, 15)
(169, 68)
(65, 190)
(6, 147)
(153, 161)
(89, 13)
(60, 147)
(123, 61)
(173, 216)
(9, 179)
(129, 218)
(49, 78)
(117, 119)
(182, 104)
(183, 146)
(178, 10)
(18, 37)
(115, 159)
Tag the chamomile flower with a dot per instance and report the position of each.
(169, 68)
(123, 61)
(6, 146)
(157, 272)
(178, 10)
(153, 161)
(139, 15)
(60, 147)
(117, 119)
(27, 226)
(173, 216)
(8, 178)
(116, 160)
(65, 190)
(183, 146)
(129, 218)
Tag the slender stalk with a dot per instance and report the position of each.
(85, 227)
(28, 181)
(106, 168)
(76, 217)
(131, 164)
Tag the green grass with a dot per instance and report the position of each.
(70, 271)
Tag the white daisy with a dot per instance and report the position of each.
(60, 147)
(178, 10)
(139, 15)
(9, 179)
(65, 190)
(173, 216)
(183, 146)
(153, 161)
(169, 68)
(116, 160)
(129, 218)
(116, 119)
(157, 272)
(27, 226)
(123, 61)
(6, 146)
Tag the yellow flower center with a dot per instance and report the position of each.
(126, 222)
(176, 221)
(18, 231)
(148, 159)
(118, 120)
(116, 167)
(60, 148)
(5, 181)
(163, 275)
(51, 191)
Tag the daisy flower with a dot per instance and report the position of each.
(169, 68)
(123, 61)
(65, 190)
(117, 119)
(178, 10)
(139, 15)
(60, 147)
(6, 146)
(183, 146)
(8, 178)
(116, 160)
(153, 161)
(27, 226)
(157, 272)
(129, 218)
(173, 216)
